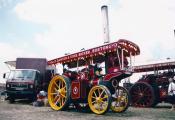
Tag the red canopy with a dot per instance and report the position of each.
(153, 67)
(129, 49)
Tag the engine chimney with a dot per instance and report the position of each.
(104, 10)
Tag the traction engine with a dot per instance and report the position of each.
(83, 83)
(152, 89)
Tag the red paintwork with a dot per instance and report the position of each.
(95, 81)
(163, 93)
(124, 44)
(84, 84)
(112, 75)
(113, 69)
(91, 72)
(75, 90)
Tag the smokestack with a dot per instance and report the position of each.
(104, 10)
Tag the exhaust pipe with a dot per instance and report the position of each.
(104, 10)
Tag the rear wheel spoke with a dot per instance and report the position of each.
(62, 101)
(57, 101)
(59, 84)
(56, 84)
(63, 96)
(53, 93)
(98, 92)
(55, 89)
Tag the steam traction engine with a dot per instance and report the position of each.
(83, 84)
(152, 89)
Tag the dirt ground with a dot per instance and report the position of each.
(23, 110)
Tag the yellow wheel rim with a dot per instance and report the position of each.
(98, 99)
(57, 92)
(119, 100)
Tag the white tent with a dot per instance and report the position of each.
(10, 64)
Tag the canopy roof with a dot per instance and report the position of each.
(97, 53)
(153, 67)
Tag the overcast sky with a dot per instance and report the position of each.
(51, 28)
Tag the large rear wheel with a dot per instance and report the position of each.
(59, 92)
(120, 100)
(142, 95)
(99, 99)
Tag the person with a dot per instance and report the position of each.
(171, 92)
(41, 99)
(65, 68)
(97, 70)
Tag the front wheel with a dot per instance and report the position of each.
(120, 100)
(99, 99)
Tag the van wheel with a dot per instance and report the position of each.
(11, 100)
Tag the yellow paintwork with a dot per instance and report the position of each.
(98, 99)
(57, 92)
(119, 103)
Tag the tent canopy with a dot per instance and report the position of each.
(11, 63)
